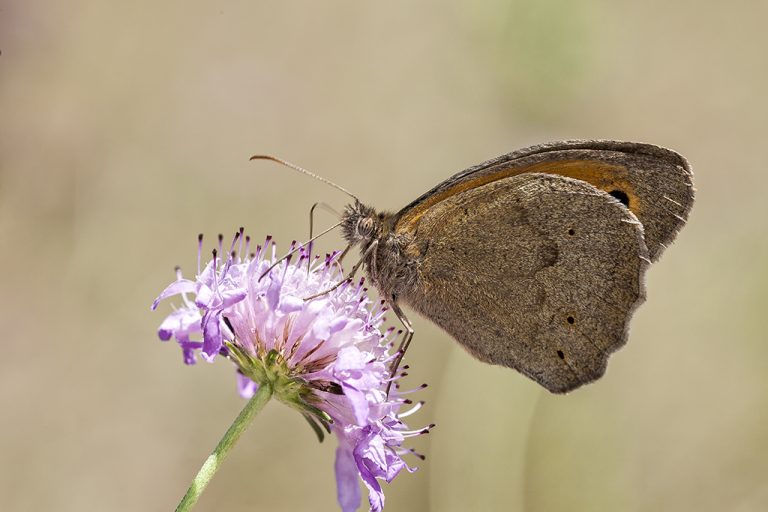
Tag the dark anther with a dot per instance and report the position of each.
(622, 197)
(560, 354)
(329, 387)
(335, 388)
(229, 324)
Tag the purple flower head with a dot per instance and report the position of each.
(325, 357)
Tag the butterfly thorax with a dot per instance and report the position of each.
(382, 249)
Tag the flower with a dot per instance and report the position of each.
(325, 357)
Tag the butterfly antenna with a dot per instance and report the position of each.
(304, 171)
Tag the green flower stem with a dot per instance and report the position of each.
(211, 464)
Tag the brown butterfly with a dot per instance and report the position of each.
(534, 260)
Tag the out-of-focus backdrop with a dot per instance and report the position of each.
(125, 129)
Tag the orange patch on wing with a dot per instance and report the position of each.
(602, 175)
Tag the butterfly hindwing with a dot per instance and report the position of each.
(537, 272)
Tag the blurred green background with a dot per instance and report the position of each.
(125, 129)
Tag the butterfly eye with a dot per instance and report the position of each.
(365, 227)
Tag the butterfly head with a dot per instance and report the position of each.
(361, 224)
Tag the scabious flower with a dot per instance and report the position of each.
(325, 357)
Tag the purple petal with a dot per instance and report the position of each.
(364, 466)
(175, 288)
(273, 292)
(339, 323)
(347, 488)
(374, 452)
(394, 465)
(179, 323)
(207, 275)
(321, 327)
(232, 297)
(212, 339)
(349, 358)
(190, 356)
(245, 386)
(205, 297)
(291, 303)
(375, 494)
(189, 350)
(360, 405)
(350, 330)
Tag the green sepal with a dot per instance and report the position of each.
(312, 423)
(321, 416)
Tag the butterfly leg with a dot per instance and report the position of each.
(326, 207)
(403, 344)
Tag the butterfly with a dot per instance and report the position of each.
(534, 260)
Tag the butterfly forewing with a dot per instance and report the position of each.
(653, 182)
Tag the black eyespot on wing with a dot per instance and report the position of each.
(571, 232)
(621, 196)
(571, 320)
(560, 354)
